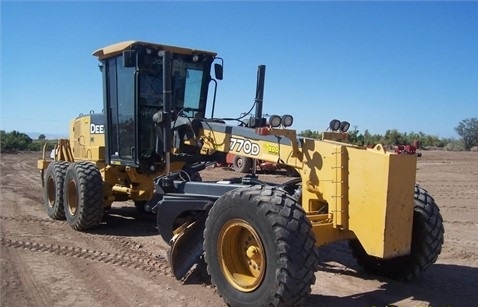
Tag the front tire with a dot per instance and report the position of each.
(427, 241)
(83, 197)
(259, 248)
(53, 189)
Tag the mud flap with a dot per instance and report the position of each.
(187, 247)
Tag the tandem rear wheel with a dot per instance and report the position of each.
(53, 189)
(83, 196)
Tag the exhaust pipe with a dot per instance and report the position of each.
(261, 72)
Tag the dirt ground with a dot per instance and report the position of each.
(123, 263)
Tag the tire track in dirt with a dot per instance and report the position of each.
(25, 168)
(31, 192)
(27, 165)
(120, 244)
(131, 259)
(127, 253)
(157, 264)
(21, 187)
(36, 291)
(28, 219)
(463, 223)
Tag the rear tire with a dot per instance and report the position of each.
(242, 164)
(259, 248)
(83, 197)
(53, 189)
(427, 241)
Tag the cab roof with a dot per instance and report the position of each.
(118, 48)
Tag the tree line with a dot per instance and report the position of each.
(18, 141)
(467, 129)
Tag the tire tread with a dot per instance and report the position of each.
(295, 242)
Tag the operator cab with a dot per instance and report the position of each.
(133, 93)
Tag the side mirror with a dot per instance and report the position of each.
(129, 58)
(218, 71)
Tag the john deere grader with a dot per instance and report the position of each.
(259, 240)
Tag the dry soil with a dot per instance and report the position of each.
(123, 262)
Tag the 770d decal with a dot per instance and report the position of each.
(245, 146)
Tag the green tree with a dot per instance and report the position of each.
(393, 137)
(310, 134)
(41, 137)
(13, 141)
(468, 130)
(369, 139)
(353, 138)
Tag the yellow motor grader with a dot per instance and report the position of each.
(259, 240)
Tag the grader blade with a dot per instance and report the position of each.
(186, 248)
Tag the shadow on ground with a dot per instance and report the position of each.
(440, 285)
(125, 220)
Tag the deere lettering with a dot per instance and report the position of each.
(96, 129)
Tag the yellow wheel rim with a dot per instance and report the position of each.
(241, 255)
(72, 197)
(51, 188)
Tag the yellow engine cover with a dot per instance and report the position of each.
(87, 137)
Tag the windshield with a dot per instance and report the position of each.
(187, 89)
(187, 84)
(192, 90)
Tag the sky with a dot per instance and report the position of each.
(410, 66)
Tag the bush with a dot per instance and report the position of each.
(455, 145)
(14, 141)
(38, 145)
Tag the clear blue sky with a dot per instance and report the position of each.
(411, 66)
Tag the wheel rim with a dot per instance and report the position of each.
(239, 162)
(241, 255)
(72, 197)
(51, 192)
